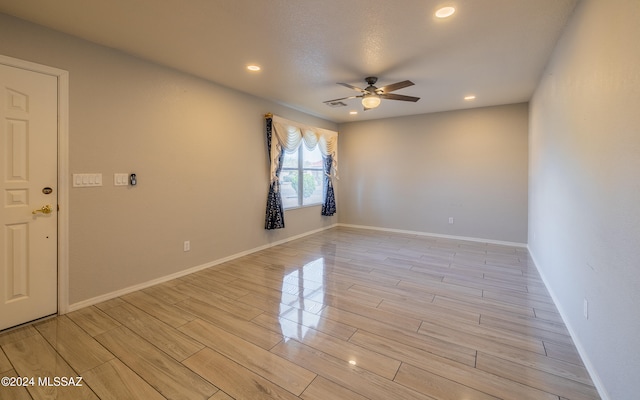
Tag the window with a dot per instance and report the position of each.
(307, 164)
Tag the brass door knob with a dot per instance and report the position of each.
(45, 210)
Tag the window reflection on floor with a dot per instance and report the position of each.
(302, 297)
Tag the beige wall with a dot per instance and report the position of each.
(584, 218)
(198, 150)
(413, 173)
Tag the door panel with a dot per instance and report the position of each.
(28, 165)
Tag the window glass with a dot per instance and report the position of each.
(302, 179)
(288, 191)
(290, 159)
(311, 158)
(312, 187)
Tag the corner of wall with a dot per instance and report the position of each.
(593, 373)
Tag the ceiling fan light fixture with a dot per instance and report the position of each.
(445, 12)
(371, 101)
(372, 96)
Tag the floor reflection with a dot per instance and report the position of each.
(302, 296)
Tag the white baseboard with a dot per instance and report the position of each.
(593, 373)
(437, 235)
(162, 279)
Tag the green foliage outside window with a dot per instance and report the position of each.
(309, 184)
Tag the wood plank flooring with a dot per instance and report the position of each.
(341, 314)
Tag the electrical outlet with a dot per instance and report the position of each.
(585, 308)
(187, 245)
(451, 220)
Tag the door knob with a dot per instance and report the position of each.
(45, 210)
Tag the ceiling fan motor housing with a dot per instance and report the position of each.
(371, 80)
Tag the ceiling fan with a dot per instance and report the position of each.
(372, 96)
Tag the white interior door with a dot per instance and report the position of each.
(28, 186)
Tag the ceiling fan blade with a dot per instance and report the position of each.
(353, 87)
(342, 98)
(394, 86)
(391, 96)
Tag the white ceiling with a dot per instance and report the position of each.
(495, 49)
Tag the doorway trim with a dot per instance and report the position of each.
(63, 171)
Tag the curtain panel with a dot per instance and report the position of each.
(274, 218)
(285, 135)
(329, 197)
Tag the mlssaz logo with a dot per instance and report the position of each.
(60, 381)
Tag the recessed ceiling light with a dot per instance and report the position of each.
(253, 67)
(470, 97)
(445, 12)
(353, 112)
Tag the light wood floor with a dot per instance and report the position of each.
(342, 314)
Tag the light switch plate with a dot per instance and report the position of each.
(120, 179)
(87, 180)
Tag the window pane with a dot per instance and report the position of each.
(311, 159)
(313, 181)
(289, 188)
(290, 159)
